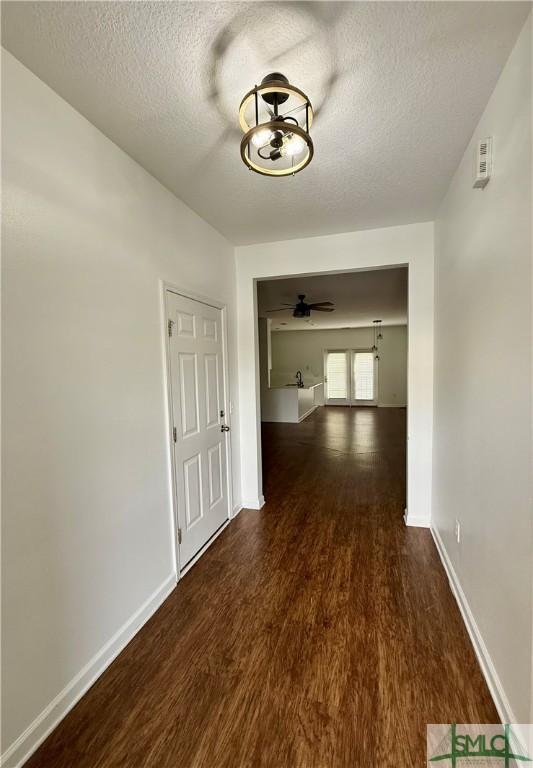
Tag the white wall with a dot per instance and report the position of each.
(87, 237)
(482, 465)
(87, 535)
(304, 351)
(412, 245)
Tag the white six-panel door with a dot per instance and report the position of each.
(197, 393)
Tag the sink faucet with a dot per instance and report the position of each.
(298, 378)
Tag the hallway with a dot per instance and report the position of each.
(317, 633)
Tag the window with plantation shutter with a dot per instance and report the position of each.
(363, 376)
(336, 373)
(351, 377)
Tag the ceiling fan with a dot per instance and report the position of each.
(301, 309)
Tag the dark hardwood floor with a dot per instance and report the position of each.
(317, 633)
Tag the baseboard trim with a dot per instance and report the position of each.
(236, 509)
(416, 522)
(488, 669)
(307, 413)
(255, 503)
(391, 405)
(26, 744)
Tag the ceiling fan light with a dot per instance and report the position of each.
(291, 146)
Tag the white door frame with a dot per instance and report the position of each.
(409, 245)
(350, 400)
(169, 287)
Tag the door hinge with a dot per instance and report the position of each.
(170, 324)
(179, 535)
(175, 434)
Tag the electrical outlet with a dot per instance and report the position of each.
(458, 531)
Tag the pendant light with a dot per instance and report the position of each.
(276, 141)
(377, 337)
(375, 344)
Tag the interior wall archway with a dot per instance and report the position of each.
(411, 245)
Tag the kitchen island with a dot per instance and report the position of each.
(290, 403)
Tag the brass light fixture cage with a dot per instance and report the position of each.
(275, 118)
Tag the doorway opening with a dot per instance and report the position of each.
(327, 370)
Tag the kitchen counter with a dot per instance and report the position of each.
(290, 403)
(295, 386)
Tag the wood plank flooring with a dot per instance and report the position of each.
(317, 633)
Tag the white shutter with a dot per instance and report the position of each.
(336, 372)
(363, 375)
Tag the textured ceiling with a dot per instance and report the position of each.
(359, 298)
(399, 88)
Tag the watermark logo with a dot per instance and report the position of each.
(479, 746)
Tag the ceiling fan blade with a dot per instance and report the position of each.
(281, 309)
(227, 135)
(290, 49)
(295, 109)
(322, 304)
(323, 309)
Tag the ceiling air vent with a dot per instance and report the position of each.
(483, 163)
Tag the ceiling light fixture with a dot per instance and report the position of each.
(302, 309)
(375, 344)
(377, 337)
(276, 144)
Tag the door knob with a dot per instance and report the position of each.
(224, 428)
